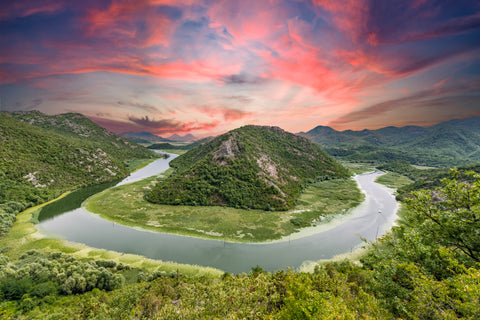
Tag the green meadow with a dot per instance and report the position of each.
(394, 180)
(126, 205)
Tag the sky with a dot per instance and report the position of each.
(209, 66)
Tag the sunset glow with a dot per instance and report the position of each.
(205, 67)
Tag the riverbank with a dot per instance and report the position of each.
(24, 236)
(317, 205)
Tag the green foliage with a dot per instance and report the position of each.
(250, 167)
(418, 270)
(326, 294)
(8, 212)
(394, 180)
(40, 275)
(450, 216)
(79, 127)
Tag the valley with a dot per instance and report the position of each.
(191, 223)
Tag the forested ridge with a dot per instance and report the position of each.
(43, 156)
(249, 167)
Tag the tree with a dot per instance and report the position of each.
(450, 216)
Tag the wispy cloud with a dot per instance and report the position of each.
(284, 62)
(435, 99)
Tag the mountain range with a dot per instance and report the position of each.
(453, 142)
(143, 137)
(186, 138)
(147, 137)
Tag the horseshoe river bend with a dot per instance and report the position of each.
(368, 221)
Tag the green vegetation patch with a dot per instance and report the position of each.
(137, 164)
(325, 294)
(127, 205)
(394, 180)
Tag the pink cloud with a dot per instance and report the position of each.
(25, 8)
(226, 113)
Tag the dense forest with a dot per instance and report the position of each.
(250, 167)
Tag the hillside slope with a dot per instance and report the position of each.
(250, 167)
(42, 156)
(80, 128)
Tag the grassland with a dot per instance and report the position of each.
(357, 167)
(137, 164)
(394, 180)
(24, 236)
(320, 201)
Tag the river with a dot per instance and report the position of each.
(369, 221)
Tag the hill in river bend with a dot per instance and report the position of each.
(250, 167)
(42, 156)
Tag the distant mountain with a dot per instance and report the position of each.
(169, 146)
(250, 167)
(450, 138)
(143, 137)
(187, 138)
(43, 156)
(388, 136)
(455, 142)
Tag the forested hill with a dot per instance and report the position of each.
(451, 143)
(77, 126)
(250, 167)
(42, 156)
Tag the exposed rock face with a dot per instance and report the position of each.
(228, 149)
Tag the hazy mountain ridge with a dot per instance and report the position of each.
(169, 146)
(249, 167)
(186, 138)
(143, 137)
(148, 137)
(42, 156)
(449, 143)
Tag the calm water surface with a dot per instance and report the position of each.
(79, 225)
